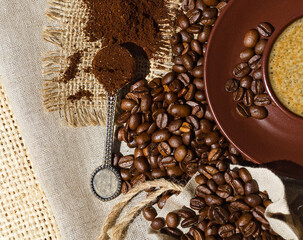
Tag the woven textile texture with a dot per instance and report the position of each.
(68, 19)
(24, 210)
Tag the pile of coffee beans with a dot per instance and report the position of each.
(247, 85)
(227, 205)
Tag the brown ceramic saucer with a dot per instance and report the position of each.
(277, 141)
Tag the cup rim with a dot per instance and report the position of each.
(265, 63)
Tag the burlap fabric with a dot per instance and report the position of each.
(24, 210)
(66, 31)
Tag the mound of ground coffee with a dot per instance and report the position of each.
(114, 67)
(121, 21)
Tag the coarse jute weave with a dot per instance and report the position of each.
(24, 210)
(66, 30)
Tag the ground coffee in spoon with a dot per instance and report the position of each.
(114, 67)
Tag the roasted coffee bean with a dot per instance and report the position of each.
(138, 179)
(174, 171)
(258, 112)
(224, 191)
(198, 111)
(174, 232)
(241, 70)
(128, 104)
(212, 137)
(257, 74)
(197, 203)
(265, 29)
(169, 77)
(242, 110)
(205, 126)
(231, 85)
(134, 121)
(186, 212)
(168, 161)
(194, 15)
(186, 36)
(248, 98)
(239, 206)
(162, 120)
(126, 186)
(125, 174)
(158, 173)
(246, 54)
(253, 200)
(157, 223)
(198, 234)
(170, 97)
(245, 82)
(172, 220)
(187, 62)
(175, 141)
(258, 213)
(175, 125)
(175, 39)
(160, 136)
(188, 5)
(239, 94)
(220, 215)
(197, 72)
(164, 149)
(260, 46)
(257, 87)
(163, 199)
(204, 35)
(251, 38)
(149, 213)
(244, 219)
(213, 200)
(255, 62)
(202, 191)
(226, 231)
(179, 68)
(177, 49)
(234, 216)
(244, 175)
(182, 21)
(188, 222)
(249, 229)
(180, 110)
(180, 153)
(210, 3)
(262, 100)
(143, 139)
(219, 178)
(250, 187)
(126, 161)
(210, 13)
(214, 154)
(211, 183)
(123, 117)
(211, 229)
(196, 46)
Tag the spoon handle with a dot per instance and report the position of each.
(111, 106)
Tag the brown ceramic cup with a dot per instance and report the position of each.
(265, 70)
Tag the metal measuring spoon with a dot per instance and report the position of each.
(106, 180)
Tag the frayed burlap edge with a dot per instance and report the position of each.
(67, 20)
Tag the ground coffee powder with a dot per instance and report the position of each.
(121, 21)
(114, 67)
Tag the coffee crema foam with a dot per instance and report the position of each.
(286, 67)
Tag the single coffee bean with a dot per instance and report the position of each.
(128, 104)
(220, 215)
(169, 77)
(257, 74)
(265, 29)
(188, 5)
(197, 203)
(231, 85)
(168, 161)
(246, 54)
(162, 120)
(180, 153)
(197, 72)
(182, 21)
(175, 141)
(141, 164)
(188, 222)
(200, 5)
(164, 149)
(186, 212)
(198, 234)
(157, 223)
(257, 87)
(239, 206)
(241, 70)
(204, 35)
(180, 110)
(244, 219)
(242, 110)
(179, 68)
(194, 15)
(194, 29)
(249, 229)
(219, 178)
(202, 191)
(186, 36)
(251, 186)
(234, 216)
(210, 2)
(255, 62)
(174, 171)
(177, 49)
(226, 231)
(205, 126)
(260, 46)
(187, 62)
(244, 175)
(138, 179)
(210, 13)
(258, 112)
(149, 213)
(126, 186)
(212, 138)
(196, 46)
(224, 191)
(174, 232)
(213, 200)
(239, 94)
(248, 98)
(245, 82)
(175, 39)
(253, 200)
(158, 173)
(126, 161)
(143, 139)
(262, 100)
(258, 213)
(251, 38)
(172, 220)
(160, 136)
(125, 174)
